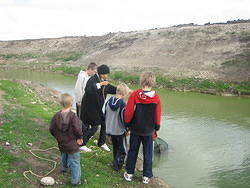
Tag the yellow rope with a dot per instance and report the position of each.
(42, 158)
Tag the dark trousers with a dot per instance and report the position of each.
(147, 143)
(91, 130)
(78, 110)
(118, 151)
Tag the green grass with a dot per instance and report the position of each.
(54, 56)
(125, 77)
(193, 84)
(19, 56)
(19, 128)
(67, 70)
(64, 56)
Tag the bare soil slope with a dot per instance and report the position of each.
(218, 52)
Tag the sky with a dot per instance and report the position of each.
(31, 19)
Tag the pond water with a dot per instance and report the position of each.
(208, 136)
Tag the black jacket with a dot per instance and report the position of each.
(93, 100)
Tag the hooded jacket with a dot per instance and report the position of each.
(143, 112)
(114, 112)
(66, 129)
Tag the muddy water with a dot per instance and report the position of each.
(208, 136)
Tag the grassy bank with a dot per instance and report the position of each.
(53, 56)
(184, 84)
(25, 120)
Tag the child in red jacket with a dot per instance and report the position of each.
(142, 116)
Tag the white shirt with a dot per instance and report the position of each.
(81, 82)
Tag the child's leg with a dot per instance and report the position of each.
(89, 133)
(75, 167)
(132, 153)
(114, 143)
(64, 161)
(102, 137)
(147, 143)
(120, 156)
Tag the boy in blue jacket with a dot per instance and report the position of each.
(114, 111)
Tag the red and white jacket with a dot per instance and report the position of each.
(143, 113)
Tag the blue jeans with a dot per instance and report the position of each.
(147, 143)
(72, 161)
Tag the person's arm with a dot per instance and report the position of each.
(158, 115)
(52, 126)
(110, 89)
(129, 110)
(79, 87)
(93, 85)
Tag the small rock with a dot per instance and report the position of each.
(45, 109)
(7, 143)
(97, 175)
(33, 102)
(30, 144)
(47, 181)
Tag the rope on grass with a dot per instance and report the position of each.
(42, 158)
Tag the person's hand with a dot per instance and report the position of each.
(79, 141)
(127, 133)
(104, 83)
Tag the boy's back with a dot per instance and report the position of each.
(65, 127)
(114, 116)
(143, 112)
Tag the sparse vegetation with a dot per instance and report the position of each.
(19, 56)
(64, 56)
(245, 37)
(55, 56)
(67, 70)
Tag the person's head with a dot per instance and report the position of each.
(122, 90)
(66, 100)
(103, 71)
(147, 79)
(92, 69)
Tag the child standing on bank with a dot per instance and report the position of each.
(114, 112)
(142, 116)
(65, 127)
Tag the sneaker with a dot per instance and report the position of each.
(85, 149)
(76, 185)
(145, 180)
(127, 177)
(105, 147)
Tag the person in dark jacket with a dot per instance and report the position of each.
(142, 116)
(93, 100)
(114, 112)
(65, 127)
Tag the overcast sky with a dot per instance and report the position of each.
(27, 19)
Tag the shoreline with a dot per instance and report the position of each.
(50, 96)
(179, 85)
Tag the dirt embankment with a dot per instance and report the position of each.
(216, 52)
